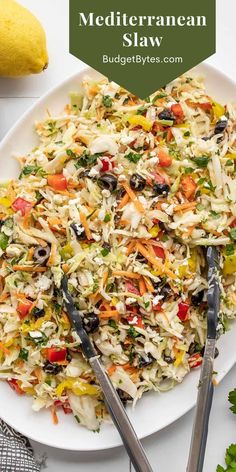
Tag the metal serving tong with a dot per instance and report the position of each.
(205, 391)
(130, 440)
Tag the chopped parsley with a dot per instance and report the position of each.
(39, 197)
(141, 110)
(87, 160)
(107, 101)
(107, 218)
(105, 252)
(201, 181)
(3, 241)
(233, 233)
(214, 215)
(187, 134)
(71, 154)
(158, 96)
(132, 332)
(188, 170)
(112, 324)
(132, 157)
(229, 249)
(28, 170)
(201, 161)
(23, 354)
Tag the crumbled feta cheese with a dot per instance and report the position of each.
(133, 321)
(94, 172)
(130, 300)
(44, 283)
(106, 193)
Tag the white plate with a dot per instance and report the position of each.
(154, 411)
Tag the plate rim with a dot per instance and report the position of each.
(86, 70)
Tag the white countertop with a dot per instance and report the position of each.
(168, 449)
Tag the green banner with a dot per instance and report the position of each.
(142, 45)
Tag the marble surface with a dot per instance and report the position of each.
(168, 449)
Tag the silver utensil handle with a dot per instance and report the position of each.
(131, 442)
(203, 409)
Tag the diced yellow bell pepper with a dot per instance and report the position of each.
(230, 156)
(218, 110)
(29, 390)
(179, 358)
(77, 387)
(229, 265)
(190, 267)
(114, 301)
(5, 202)
(9, 342)
(67, 252)
(139, 120)
(154, 231)
(192, 261)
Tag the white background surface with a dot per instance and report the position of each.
(167, 450)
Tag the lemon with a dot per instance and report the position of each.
(23, 48)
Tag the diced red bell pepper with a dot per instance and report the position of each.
(203, 106)
(64, 405)
(159, 251)
(188, 187)
(165, 160)
(177, 110)
(21, 205)
(66, 408)
(195, 360)
(138, 321)
(24, 307)
(157, 128)
(233, 224)
(131, 288)
(107, 164)
(156, 307)
(14, 385)
(55, 354)
(57, 182)
(158, 178)
(183, 311)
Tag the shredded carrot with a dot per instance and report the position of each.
(54, 415)
(125, 273)
(106, 306)
(108, 314)
(3, 297)
(188, 233)
(123, 201)
(4, 349)
(29, 268)
(129, 368)
(85, 225)
(124, 223)
(52, 257)
(30, 254)
(38, 373)
(185, 207)
(130, 247)
(111, 370)
(65, 268)
(154, 261)
(133, 197)
(149, 285)
(142, 287)
(104, 277)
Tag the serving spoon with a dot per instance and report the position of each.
(116, 409)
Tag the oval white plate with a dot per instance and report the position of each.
(154, 411)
